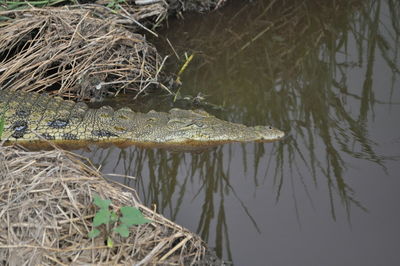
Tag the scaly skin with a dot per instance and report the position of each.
(35, 118)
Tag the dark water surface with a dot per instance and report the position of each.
(325, 73)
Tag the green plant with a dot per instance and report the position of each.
(1, 124)
(114, 4)
(119, 224)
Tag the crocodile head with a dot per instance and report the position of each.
(200, 128)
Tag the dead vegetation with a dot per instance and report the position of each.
(85, 51)
(46, 212)
(73, 52)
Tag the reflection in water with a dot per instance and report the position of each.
(295, 61)
(162, 178)
(291, 65)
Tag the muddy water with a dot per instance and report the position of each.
(328, 75)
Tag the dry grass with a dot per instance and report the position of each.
(85, 52)
(75, 52)
(46, 212)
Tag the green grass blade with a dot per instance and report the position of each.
(1, 125)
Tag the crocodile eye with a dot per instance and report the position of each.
(191, 125)
(198, 124)
(178, 123)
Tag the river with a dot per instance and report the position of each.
(327, 73)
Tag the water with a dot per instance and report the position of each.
(326, 74)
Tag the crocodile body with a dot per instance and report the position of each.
(39, 118)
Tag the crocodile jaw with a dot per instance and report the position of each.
(268, 133)
(212, 132)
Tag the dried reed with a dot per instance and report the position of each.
(73, 52)
(46, 212)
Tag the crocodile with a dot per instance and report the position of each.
(31, 118)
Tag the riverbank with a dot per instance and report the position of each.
(87, 51)
(47, 212)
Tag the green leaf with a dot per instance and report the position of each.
(102, 217)
(110, 242)
(122, 230)
(101, 203)
(114, 217)
(3, 17)
(95, 232)
(132, 216)
(1, 125)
